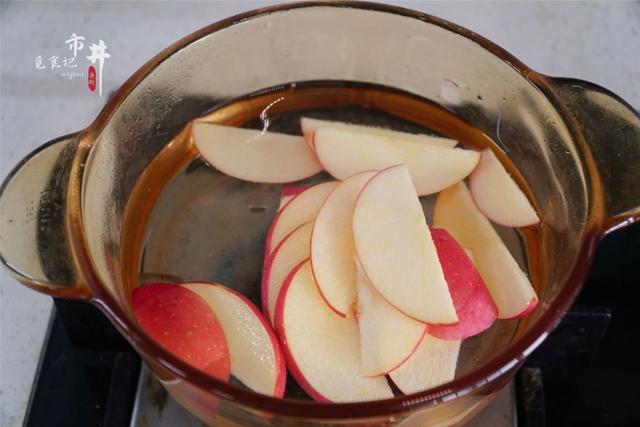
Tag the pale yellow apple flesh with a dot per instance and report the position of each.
(332, 249)
(498, 196)
(456, 212)
(432, 364)
(310, 125)
(388, 337)
(395, 249)
(293, 249)
(301, 209)
(254, 351)
(322, 349)
(344, 152)
(288, 192)
(252, 155)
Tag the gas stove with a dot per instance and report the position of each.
(585, 374)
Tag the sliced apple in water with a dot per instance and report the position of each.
(474, 305)
(253, 155)
(456, 212)
(344, 152)
(388, 337)
(301, 209)
(332, 250)
(289, 192)
(395, 249)
(310, 125)
(182, 322)
(254, 351)
(322, 349)
(498, 196)
(432, 364)
(293, 249)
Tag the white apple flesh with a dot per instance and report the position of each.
(498, 196)
(293, 249)
(309, 126)
(332, 248)
(344, 152)
(322, 349)
(289, 192)
(301, 209)
(432, 364)
(253, 155)
(256, 358)
(395, 249)
(388, 337)
(456, 212)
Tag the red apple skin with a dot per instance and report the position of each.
(267, 241)
(287, 190)
(280, 363)
(532, 305)
(471, 299)
(182, 322)
(295, 371)
(266, 271)
(292, 190)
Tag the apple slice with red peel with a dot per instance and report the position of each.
(310, 125)
(498, 196)
(456, 212)
(293, 249)
(474, 305)
(254, 351)
(388, 337)
(432, 364)
(332, 250)
(322, 349)
(395, 252)
(302, 208)
(532, 305)
(289, 192)
(344, 152)
(182, 322)
(253, 155)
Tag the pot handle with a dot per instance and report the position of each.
(611, 129)
(34, 243)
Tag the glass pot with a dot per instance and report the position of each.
(70, 227)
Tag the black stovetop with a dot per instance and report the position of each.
(585, 374)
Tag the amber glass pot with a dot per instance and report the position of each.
(74, 213)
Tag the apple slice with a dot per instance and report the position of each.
(293, 249)
(395, 252)
(388, 337)
(433, 364)
(344, 152)
(289, 192)
(302, 208)
(182, 323)
(498, 196)
(474, 305)
(310, 125)
(332, 250)
(253, 155)
(256, 358)
(508, 285)
(322, 349)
